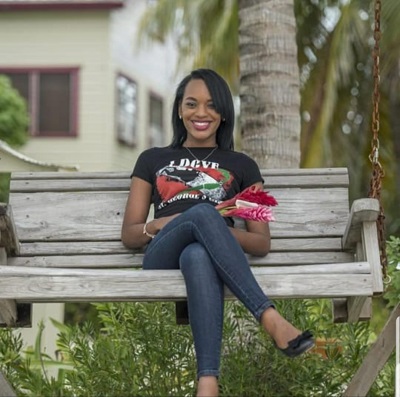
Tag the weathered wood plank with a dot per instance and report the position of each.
(8, 311)
(69, 216)
(8, 307)
(355, 305)
(73, 175)
(338, 268)
(25, 181)
(362, 210)
(375, 359)
(369, 233)
(98, 216)
(8, 232)
(340, 312)
(73, 184)
(162, 285)
(116, 247)
(129, 260)
(125, 174)
(306, 171)
(69, 185)
(305, 181)
(5, 389)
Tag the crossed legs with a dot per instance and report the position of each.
(201, 245)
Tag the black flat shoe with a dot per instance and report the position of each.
(299, 345)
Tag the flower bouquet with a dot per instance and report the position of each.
(252, 204)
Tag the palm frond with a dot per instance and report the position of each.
(340, 68)
(204, 31)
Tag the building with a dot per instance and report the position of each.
(95, 97)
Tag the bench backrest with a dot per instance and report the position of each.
(68, 214)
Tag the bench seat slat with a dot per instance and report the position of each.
(169, 285)
(129, 260)
(336, 268)
(116, 247)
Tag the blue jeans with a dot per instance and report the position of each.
(200, 243)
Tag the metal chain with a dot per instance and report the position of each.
(377, 170)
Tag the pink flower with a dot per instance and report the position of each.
(251, 204)
(260, 213)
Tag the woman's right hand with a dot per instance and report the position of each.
(156, 225)
(136, 213)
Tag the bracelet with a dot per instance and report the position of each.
(147, 233)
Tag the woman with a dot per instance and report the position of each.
(185, 181)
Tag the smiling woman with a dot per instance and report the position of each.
(206, 98)
(199, 116)
(185, 182)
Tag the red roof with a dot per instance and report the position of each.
(23, 5)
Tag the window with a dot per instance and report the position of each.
(51, 95)
(156, 121)
(126, 112)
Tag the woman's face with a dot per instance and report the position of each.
(199, 115)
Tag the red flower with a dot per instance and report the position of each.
(252, 203)
(254, 194)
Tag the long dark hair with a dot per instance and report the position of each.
(222, 100)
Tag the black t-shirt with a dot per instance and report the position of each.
(180, 181)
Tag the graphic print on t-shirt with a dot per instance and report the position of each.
(192, 181)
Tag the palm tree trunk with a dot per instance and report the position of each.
(269, 83)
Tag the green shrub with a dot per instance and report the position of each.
(14, 119)
(392, 294)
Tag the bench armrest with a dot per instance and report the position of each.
(362, 210)
(361, 235)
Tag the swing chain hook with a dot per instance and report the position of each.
(377, 170)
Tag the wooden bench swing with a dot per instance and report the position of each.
(60, 242)
(60, 239)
